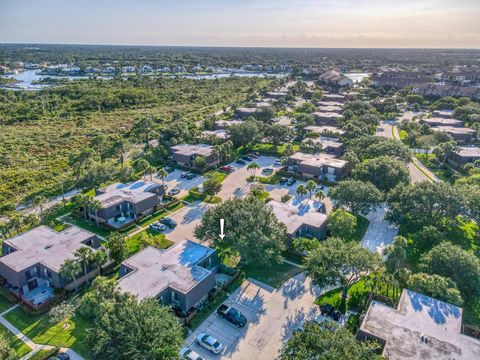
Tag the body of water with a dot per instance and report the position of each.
(26, 78)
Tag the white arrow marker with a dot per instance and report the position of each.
(222, 222)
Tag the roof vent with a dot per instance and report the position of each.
(48, 246)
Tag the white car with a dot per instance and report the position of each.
(157, 226)
(189, 354)
(174, 191)
(209, 343)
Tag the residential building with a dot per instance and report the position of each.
(460, 134)
(441, 90)
(128, 69)
(398, 78)
(335, 78)
(180, 276)
(185, 154)
(275, 94)
(441, 121)
(447, 114)
(31, 262)
(327, 118)
(325, 130)
(146, 69)
(317, 166)
(243, 113)
(330, 107)
(419, 328)
(122, 204)
(302, 219)
(465, 155)
(334, 97)
(329, 145)
(224, 124)
(219, 134)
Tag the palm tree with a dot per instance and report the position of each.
(95, 205)
(302, 190)
(320, 195)
(82, 200)
(99, 258)
(162, 173)
(16, 223)
(143, 165)
(84, 255)
(253, 167)
(31, 220)
(69, 269)
(38, 201)
(311, 186)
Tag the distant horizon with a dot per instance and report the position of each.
(240, 46)
(304, 24)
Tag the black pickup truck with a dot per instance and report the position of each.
(232, 315)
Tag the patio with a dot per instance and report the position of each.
(40, 294)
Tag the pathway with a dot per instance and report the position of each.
(418, 172)
(32, 345)
(380, 232)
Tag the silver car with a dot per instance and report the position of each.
(209, 343)
(189, 354)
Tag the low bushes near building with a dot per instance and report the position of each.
(44, 354)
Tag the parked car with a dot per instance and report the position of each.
(189, 354)
(174, 191)
(254, 155)
(247, 158)
(226, 169)
(60, 356)
(183, 175)
(169, 169)
(291, 181)
(267, 171)
(283, 181)
(232, 315)
(240, 161)
(209, 343)
(169, 222)
(157, 226)
(190, 176)
(278, 162)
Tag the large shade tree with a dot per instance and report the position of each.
(136, 330)
(383, 172)
(251, 230)
(356, 196)
(337, 262)
(328, 341)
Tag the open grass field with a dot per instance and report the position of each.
(20, 348)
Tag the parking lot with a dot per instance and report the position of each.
(187, 218)
(174, 180)
(273, 314)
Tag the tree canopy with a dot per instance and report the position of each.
(251, 230)
(356, 196)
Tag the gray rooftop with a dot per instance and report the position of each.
(442, 121)
(454, 130)
(296, 213)
(318, 160)
(325, 142)
(323, 129)
(469, 151)
(46, 246)
(226, 123)
(154, 270)
(220, 134)
(133, 193)
(420, 328)
(189, 150)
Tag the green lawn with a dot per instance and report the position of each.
(5, 303)
(361, 229)
(357, 295)
(87, 225)
(156, 239)
(217, 175)
(151, 219)
(20, 348)
(274, 275)
(40, 330)
(270, 149)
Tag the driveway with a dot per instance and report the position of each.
(173, 180)
(187, 218)
(236, 185)
(273, 314)
(379, 232)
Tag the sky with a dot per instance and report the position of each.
(263, 23)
